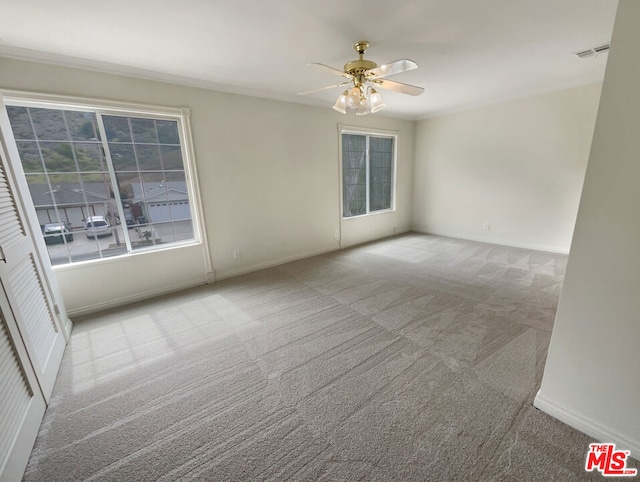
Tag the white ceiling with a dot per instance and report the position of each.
(470, 52)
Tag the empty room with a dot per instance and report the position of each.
(299, 240)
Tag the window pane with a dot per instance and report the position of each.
(123, 156)
(144, 131)
(118, 129)
(175, 231)
(49, 124)
(154, 234)
(380, 173)
(148, 235)
(30, 156)
(171, 157)
(20, 123)
(45, 190)
(82, 126)
(58, 157)
(125, 184)
(148, 157)
(354, 170)
(168, 132)
(161, 198)
(90, 157)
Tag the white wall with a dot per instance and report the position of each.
(268, 175)
(518, 165)
(592, 375)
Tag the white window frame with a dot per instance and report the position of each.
(179, 114)
(342, 129)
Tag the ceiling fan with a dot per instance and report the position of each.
(364, 76)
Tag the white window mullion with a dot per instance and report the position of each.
(367, 173)
(114, 182)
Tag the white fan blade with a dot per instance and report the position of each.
(398, 86)
(313, 91)
(332, 70)
(397, 67)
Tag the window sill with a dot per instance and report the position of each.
(124, 257)
(374, 213)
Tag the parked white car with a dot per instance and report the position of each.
(96, 226)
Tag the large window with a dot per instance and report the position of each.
(104, 182)
(368, 162)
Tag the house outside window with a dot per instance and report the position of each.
(85, 165)
(368, 173)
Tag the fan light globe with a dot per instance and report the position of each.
(353, 99)
(377, 103)
(341, 103)
(364, 106)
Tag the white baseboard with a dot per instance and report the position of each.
(500, 242)
(68, 328)
(125, 300)
(588, 426)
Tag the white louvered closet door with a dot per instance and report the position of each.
(31, 338)
(22, 403)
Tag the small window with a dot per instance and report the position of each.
(368, 166)
(86, 162)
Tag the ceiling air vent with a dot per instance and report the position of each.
(583, 54)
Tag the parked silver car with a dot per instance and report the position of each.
(96, 226)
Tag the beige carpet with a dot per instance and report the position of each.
(414, 358)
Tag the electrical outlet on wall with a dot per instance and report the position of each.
(236, 254)
(337, 234)
(486, 225)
